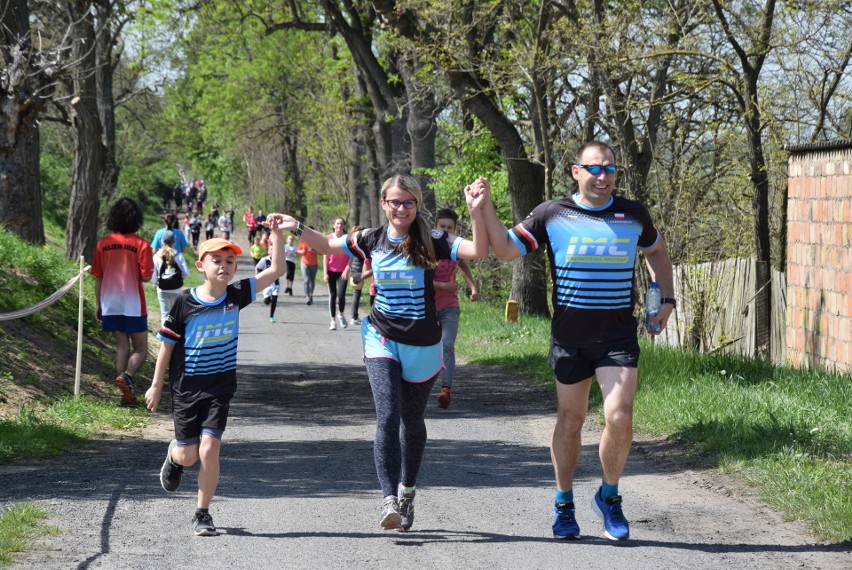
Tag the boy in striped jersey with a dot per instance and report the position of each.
(199, 350)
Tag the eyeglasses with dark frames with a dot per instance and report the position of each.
(407, 204)
(596, 169)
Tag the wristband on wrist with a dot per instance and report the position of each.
(668, 300)
(298, 231)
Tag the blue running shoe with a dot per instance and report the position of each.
(565, 526)
(615, 525)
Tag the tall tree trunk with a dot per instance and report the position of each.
(372, 216)
(24, 91)
(526, 179)
(751, 63)
(526, 190)
(637, 149)
(290, 157)
(390, 130)
(374, 182)
(760, 204)
(355, 177)
(82, 227)
(354, 172)
(106, 61)
(423, 110)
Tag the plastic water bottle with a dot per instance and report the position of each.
(652, 307)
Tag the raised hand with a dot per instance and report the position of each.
(281, 221)
(477, 194)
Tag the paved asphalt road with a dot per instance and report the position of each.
(298, 487)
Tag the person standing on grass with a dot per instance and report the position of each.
(336, 274)
(402, 335)
(447, 303)
(199, 350)
(122, 262)
(591, 238)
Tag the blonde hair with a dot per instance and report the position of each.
(417, 245)
(167, 254)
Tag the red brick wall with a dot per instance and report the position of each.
(819, 260)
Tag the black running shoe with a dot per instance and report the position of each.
(170, 473)
(202, 525)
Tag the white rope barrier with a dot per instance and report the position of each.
(49, 301)
(44, 302)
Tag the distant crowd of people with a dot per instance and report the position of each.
(187, 195)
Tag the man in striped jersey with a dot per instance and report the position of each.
(591, 238)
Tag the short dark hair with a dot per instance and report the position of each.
(125, 217)
(593, 144)
(447, 214)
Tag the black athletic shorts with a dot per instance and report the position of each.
(195, 417)
(572, 365)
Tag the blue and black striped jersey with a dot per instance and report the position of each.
(592, 254)
(404, 310)
(204, 360)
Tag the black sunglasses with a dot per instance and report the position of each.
(595, 169)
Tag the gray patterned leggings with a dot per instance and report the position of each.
(400, 423)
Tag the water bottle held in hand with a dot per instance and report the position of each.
(652, 307)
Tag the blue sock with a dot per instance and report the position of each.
(564, 496)
(608, 491)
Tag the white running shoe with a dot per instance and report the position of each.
(332, 326)
(343, 323)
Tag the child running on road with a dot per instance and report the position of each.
(447, 303)
(402, 335)
(291, 254)
(270, 294)
(199, 350)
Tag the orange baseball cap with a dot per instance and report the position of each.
(217, 244)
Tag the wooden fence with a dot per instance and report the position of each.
(716, 309)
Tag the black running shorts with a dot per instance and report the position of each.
(572, 365)
(191, 417)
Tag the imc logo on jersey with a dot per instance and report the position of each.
(214, 333)
(598, 250)
(395, 277)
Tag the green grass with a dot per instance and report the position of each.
(65, 425)
(787, 432)
(90, 415)
(20, 526)
(29, 435)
